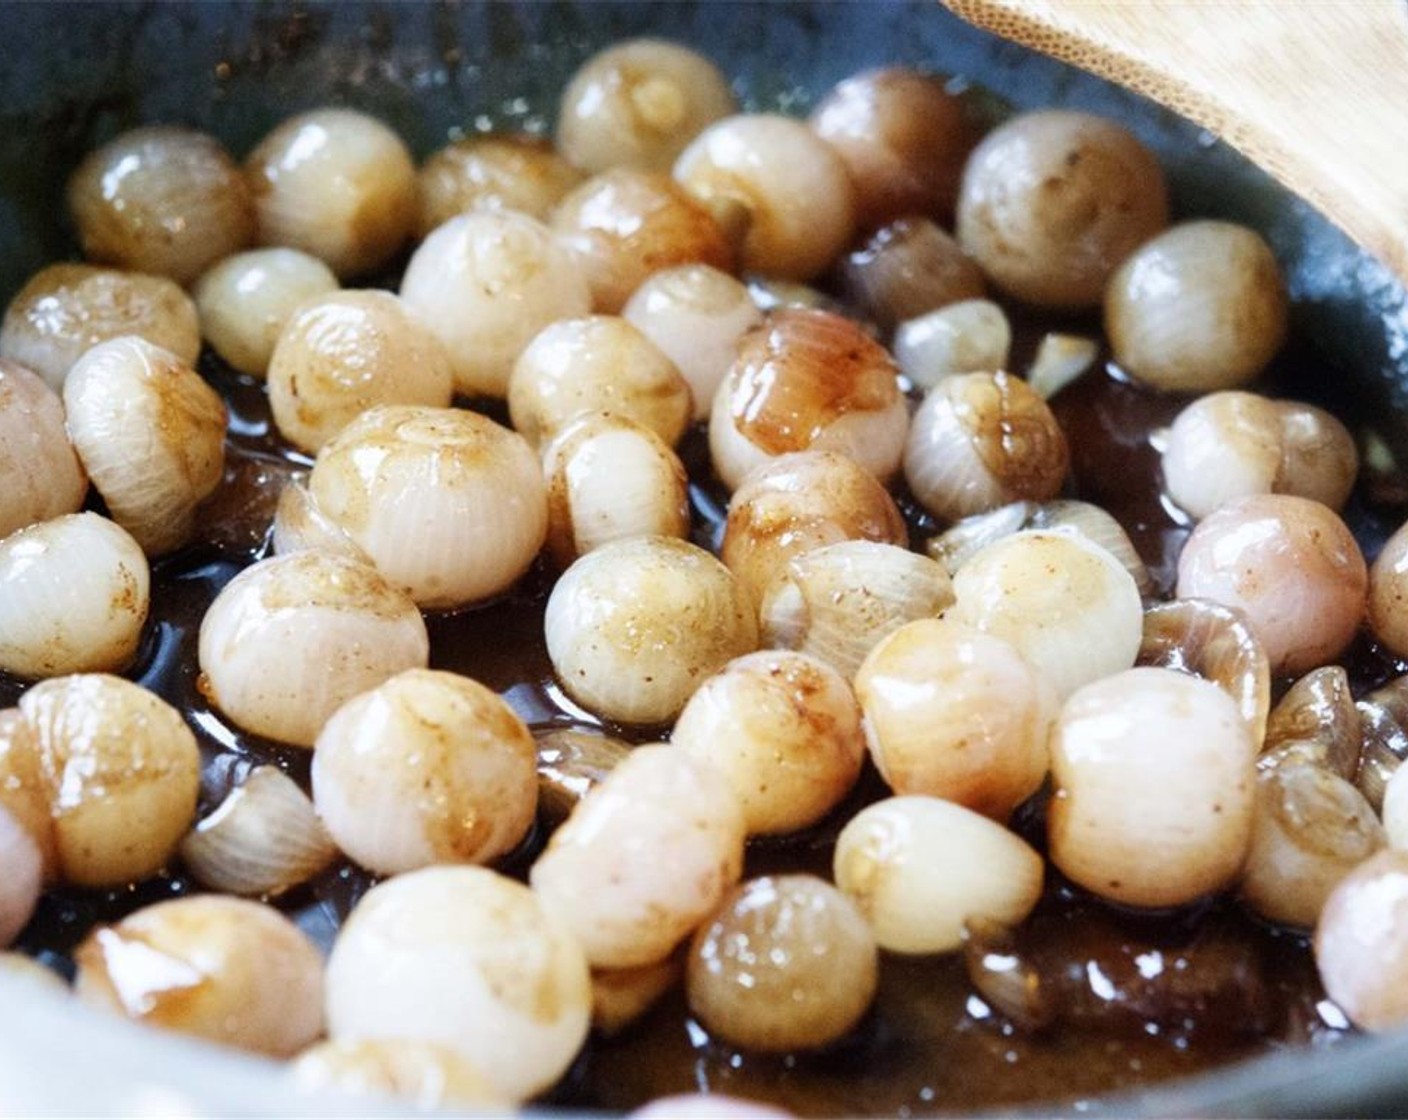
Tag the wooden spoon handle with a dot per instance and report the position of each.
(1314, 91)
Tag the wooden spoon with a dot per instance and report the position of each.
(1314, 91)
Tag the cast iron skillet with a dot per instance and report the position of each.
(72, 75)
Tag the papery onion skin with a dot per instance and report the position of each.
(263, 839)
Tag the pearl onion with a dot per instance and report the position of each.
(982, 440)
(1388, 593)
(970, 336)
(623, 225)
(290, 639)
(74, 593)
(1290, 566)
(644, 857)
(802, 380)
(782, 182)
(786, 963)
(467, 959)
(151, 435)
(486, 283)
(40, 475)
(696, 315)
(838, 601)
(428, 767)
(799, 502)
(121, 770)
(919, 868)
(337, 184)
(1154, 773)
(1200, 307)
(500, 171)
(426, 1076)
(1051, 203)
(163, 200)
(904, 139)
(1310, 829)
(635, 626)
(1361, 943)
(223, 969)
(907, 269)
(955, 713)
(24, 791)
(784, 729)
(343, 353)
(637, 104)
(595, 364)
(66, 309)
(23, 880)
(1067, 605)
(449, 505)
(1229, 445)
(245, 300)
(609, 479)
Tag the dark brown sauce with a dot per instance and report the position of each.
(930, 1043)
